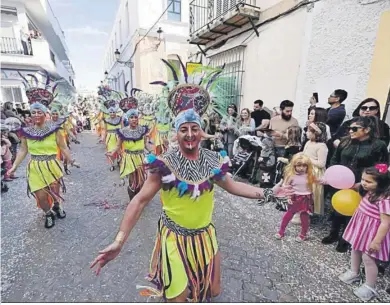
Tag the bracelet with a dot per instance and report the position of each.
(268, 195)
(120, 237)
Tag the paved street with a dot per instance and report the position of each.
(40, 265)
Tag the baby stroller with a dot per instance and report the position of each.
(246, 151)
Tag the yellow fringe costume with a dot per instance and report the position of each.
(43, 168)
(133, 154)
(161, 138)
(186, 244)
(112, 125)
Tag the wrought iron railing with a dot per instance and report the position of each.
(9, 45)
(230, 80)
(203, 12)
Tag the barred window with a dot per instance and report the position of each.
(230, 80)
(11, 94)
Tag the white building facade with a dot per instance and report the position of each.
(288, 49)
(143, 33)
(32, 41)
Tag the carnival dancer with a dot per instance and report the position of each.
(186, 261)
(112, 125)
(133, 139)
(44, 171)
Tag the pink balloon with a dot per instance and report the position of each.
(340, 177)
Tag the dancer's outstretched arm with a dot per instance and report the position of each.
(132, 214)
(249, 191)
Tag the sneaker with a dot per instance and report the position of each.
(300, 239)
(365, 293)
(59, 211)
(50, 220)
(278, 236)
(349, 277)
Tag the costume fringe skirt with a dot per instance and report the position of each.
(42, 173)
(132, 163)
(183, 258)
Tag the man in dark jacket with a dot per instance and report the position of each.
(336, 112)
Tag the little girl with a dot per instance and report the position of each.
(299, 174)
(368, 232)
(293, 146)
(317, 151)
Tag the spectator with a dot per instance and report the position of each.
(246, 125)
(317, 151)
(336, 112)
(280, 123)
(260, 116)
(317, 115)
(368, 107)
(361, 149)
(10, 113)
(229, 130)
(313, 103)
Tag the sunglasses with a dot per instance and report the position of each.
(355, 128)
(369, 108)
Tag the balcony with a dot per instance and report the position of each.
(9, 45)
(35, 54)
(212, 19)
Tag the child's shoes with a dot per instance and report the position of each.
(278, 236)
(365, 293)
(349, 277)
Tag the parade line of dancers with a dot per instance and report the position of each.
(155, 140)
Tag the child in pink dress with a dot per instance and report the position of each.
(368, 232)
(299, 174)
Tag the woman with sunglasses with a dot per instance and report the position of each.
(368, 107)
(112, 124)
(134, 140)
(361, 149)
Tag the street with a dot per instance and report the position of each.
(41, 265)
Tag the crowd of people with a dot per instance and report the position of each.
(172, 144)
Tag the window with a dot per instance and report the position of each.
(174, 11)
(229, 81)
(12, 94)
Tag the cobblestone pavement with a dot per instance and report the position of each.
(40, 265)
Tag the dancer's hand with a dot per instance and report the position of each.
(106, 255)
(109, 154)
(11, 171)
(374, 247)
(281, 190)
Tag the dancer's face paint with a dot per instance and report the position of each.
(54, 116)
(38, 116)
(133, 121)
(189, 136)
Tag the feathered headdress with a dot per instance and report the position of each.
(35, 94)
(129, 102)
(190, 93)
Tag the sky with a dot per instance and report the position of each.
(87, 31)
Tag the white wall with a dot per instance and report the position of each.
(272, 60)
(340, 50)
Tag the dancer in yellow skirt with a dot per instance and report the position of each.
(44, 171)
(112, 124)
(133, 140)
(186, 261)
